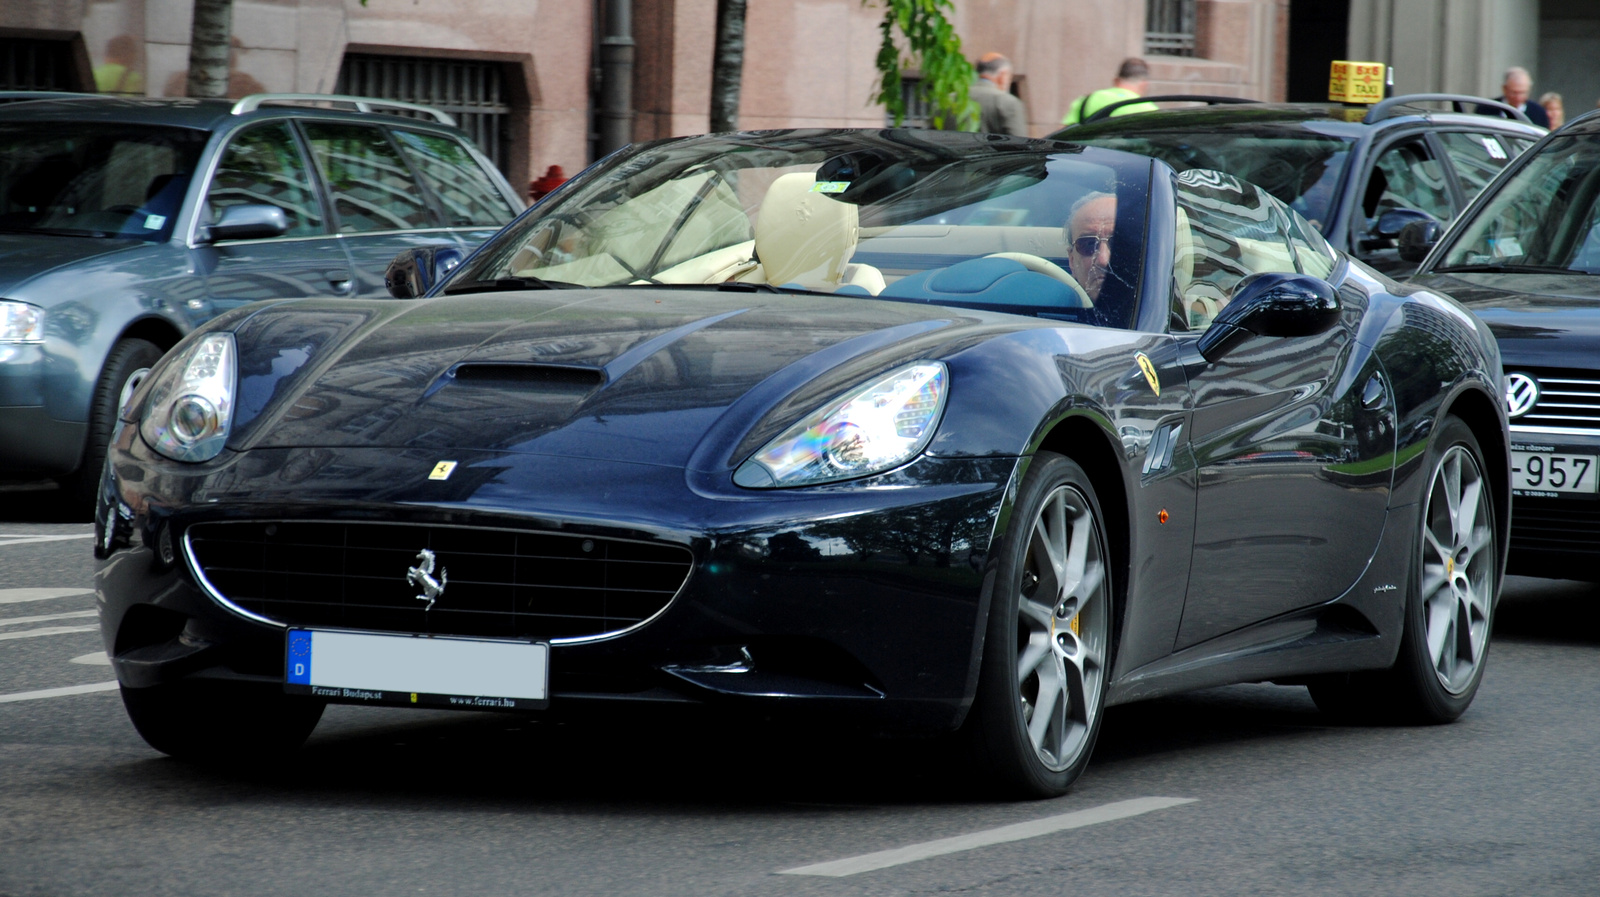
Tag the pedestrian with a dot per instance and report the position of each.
(1131, 82)
(1514, 93)
(1554, 109)
(999, 112)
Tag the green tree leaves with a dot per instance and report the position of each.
(928, 44)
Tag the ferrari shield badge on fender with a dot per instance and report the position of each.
(1149, 369)
(443, 469)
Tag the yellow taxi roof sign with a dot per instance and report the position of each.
(1355, 82)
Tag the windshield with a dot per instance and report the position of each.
(848, 213)
(94, 180)
(1546, 218)
(1300, 168)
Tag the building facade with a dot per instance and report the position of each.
(523, 75)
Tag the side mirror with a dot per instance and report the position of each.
(415, 271)
(1271, 305)
(1418, 238)
(247, 222)
(1390, 223)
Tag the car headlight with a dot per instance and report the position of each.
(190, 406)
(21, 322)
(869, 430)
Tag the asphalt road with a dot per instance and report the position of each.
(391, 802)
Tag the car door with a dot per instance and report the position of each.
(1292, 464)
(378, 205)
(1406, 173)
(264, 164)
(473, 199)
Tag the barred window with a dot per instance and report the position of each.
(1169, 28)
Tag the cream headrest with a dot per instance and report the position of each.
(802, 236)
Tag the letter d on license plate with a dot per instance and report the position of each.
(378, 668)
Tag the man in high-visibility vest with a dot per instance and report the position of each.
(1133, 78)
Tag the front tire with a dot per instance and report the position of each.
(128, 362)
(1450, 605)
(1047, 652)
(220, 723)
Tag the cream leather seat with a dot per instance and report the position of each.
(804, 237)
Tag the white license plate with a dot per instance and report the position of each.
(1550, 472)
(378, 668)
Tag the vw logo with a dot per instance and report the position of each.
(1522, 393)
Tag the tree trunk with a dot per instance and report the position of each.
(209, 48)
(727, 66)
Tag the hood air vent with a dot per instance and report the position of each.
(550, 379)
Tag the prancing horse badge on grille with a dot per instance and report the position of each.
(421, 576)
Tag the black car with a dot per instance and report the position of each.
(124, 223)
(903, 428)
(1526, 258)
(1359, 175)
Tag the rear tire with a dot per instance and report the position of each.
(219, 723)
(1449, 611)
(130, 360)
(1047, 652)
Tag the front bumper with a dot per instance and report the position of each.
(863, 600)
(1556, 534)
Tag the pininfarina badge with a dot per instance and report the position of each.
(421, 576)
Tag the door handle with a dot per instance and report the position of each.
(341, 284)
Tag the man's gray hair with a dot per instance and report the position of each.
(993, 64)
(1517, 70)
(1078, 206)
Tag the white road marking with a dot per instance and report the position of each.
(18, 596)
(97, 659)
(48, 630)
(24, 538)
(40, 618)
(883, 859)
(58, 692)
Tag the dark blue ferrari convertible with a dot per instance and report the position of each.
(932, 433)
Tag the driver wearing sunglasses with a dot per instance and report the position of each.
(1089, 229)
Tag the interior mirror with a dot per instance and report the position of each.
(415, 271)
(1418, 238)
(1271, 305)
(247, 222)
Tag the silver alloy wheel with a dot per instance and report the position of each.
(1457, 569)
(1062, 628)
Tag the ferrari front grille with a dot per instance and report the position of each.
(442, 580)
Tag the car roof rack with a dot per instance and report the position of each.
(362, 104)
(1386, 108)
(28, 96)
(1105, 111)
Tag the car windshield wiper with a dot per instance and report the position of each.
(524, 282)
(735, 286)
(1499, 268)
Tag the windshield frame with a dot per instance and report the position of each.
(1128, 173)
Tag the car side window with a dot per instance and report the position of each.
(1406, 176)
(468, 195)
(1476, 157)
(262, 166)
(1227, 230)
(372, 187)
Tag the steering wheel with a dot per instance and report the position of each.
(1048, 268)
